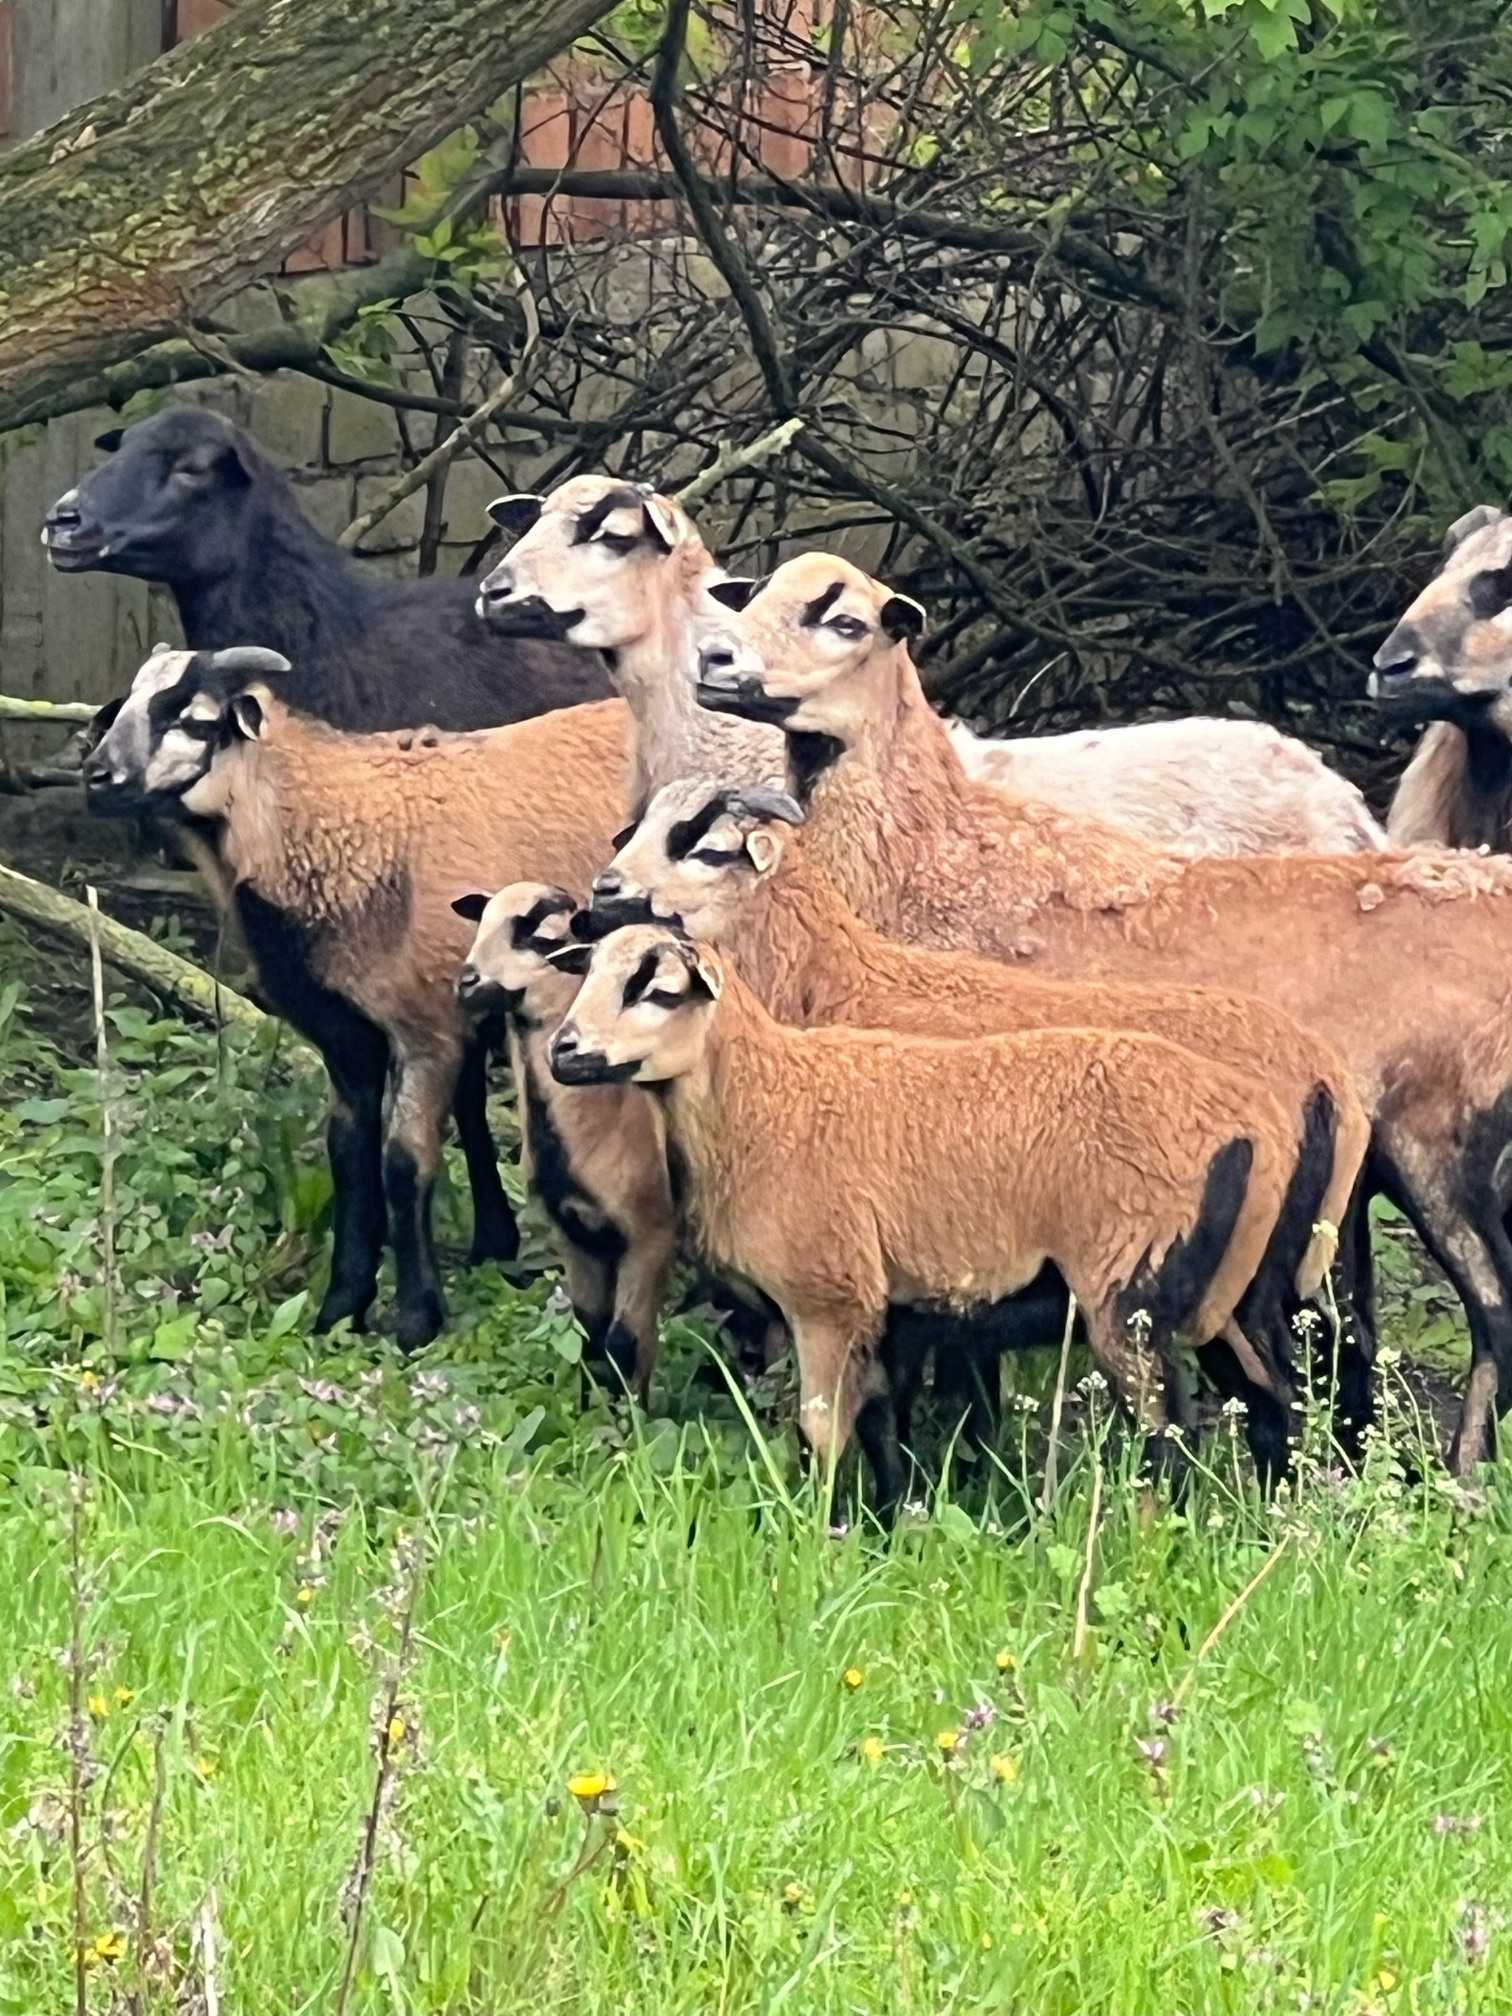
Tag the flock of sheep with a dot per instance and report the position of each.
(909, 1041)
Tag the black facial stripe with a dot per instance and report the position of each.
(815, 612)
(640, 980)
(685, 834)
(547, 906)
(162, 707)
(1490, 591)
(592, 520)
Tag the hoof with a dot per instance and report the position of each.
(418, 1323)
(344, 1305)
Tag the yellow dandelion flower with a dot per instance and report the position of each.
(109, 1945)
(205, 1768)
(905, 1899)
(853, 1676)
(947, 1741)
(398, 1729)
(1386, 1979)
(99, 1707)
(124, 1697)
(89, 1381)
(304, 1595)
(985, 1942)
(1005, 1768)
(1006, 1663)
(588, 1787)
(792, 1897)
(872, 1749)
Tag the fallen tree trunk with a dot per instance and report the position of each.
(130, 952)
(147, 206)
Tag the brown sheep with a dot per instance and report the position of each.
(1195, 786)
(1449, 663)
(364, 841)
(922, 853)
(842, 1170)
(595, 1157)
(724, 866)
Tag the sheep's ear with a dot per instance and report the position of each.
(110, 440)
(734, 593)
(517, 512)
(103, 717)
(661, 521)
(900, 616)
(471, 907)
(247, 716)
(571, 959)
(763, 849)
(706, 971)
(625, 835)
(1475, 520)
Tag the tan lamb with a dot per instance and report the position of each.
(845, 1170)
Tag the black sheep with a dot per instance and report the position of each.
(189, 500)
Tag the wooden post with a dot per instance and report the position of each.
(80, 637)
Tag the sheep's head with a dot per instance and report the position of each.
(1450, 657)
(694, 858)
(598, 563)
(158, 743)
(513, 963)
(808, 649)
(172, 503)
(643, 1011)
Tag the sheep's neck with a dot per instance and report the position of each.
(718, 1117)
(289, 837)
(797, 942)
(674, 736)
(886, 804)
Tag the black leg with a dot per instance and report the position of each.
(496, 1236)
(354, 1145)
(421, 1304)
(877, 1432)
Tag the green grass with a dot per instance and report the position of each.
(1303, 1813)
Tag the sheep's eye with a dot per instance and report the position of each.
(184, 472)
(618, 542)
(847, 626)
(666, 997)
(719, 857)
(1491, 591)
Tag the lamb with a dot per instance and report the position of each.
(923, 854)
(722, 865)
(1194, 786)
(596, 1157)
(842, 1170)
(343, 854)
(1448, 663)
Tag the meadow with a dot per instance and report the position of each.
(334, 1683)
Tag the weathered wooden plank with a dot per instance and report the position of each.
(68, 50)
(64, 639)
